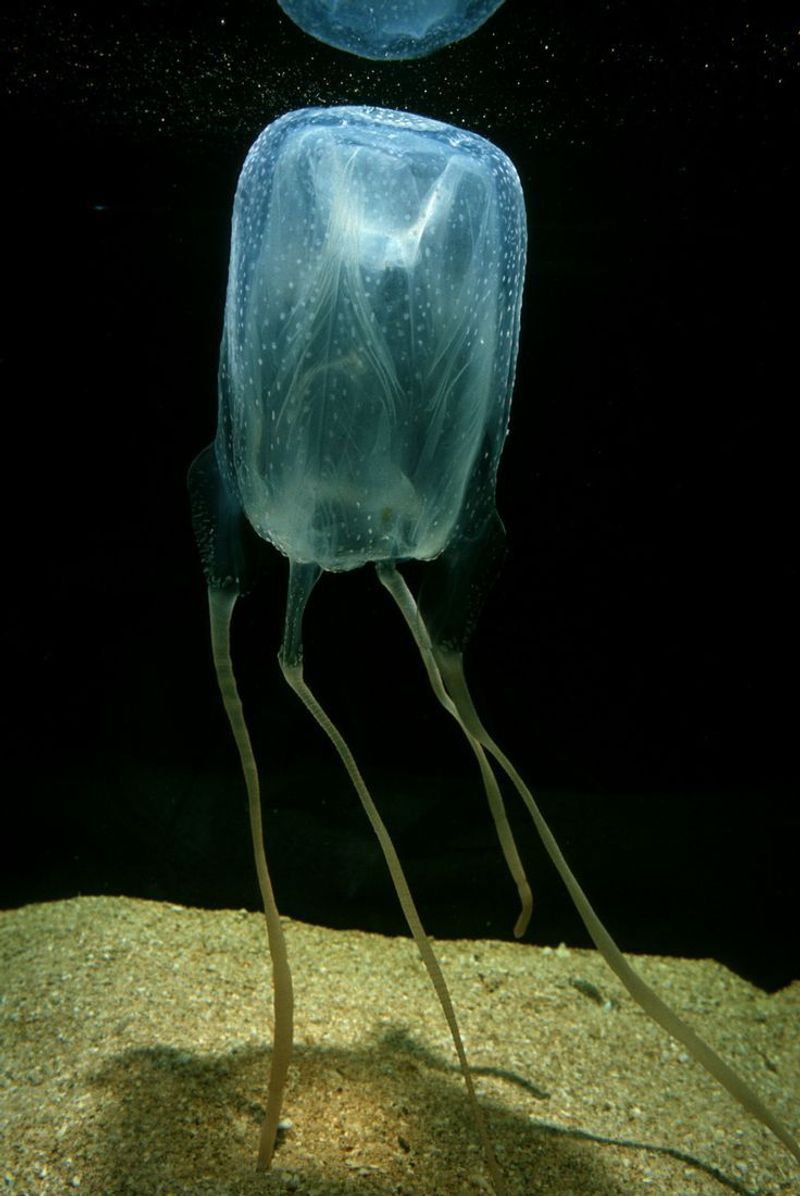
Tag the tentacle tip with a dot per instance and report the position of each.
(266, 1150)
(521, 924)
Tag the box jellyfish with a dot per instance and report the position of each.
(391, 29)
(366, 369)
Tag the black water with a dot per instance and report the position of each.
(638, 657)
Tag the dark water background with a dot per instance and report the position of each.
(638, 657)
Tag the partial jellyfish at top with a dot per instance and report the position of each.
(389, 29)
(367, 363)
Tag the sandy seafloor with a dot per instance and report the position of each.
(135, 1046)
